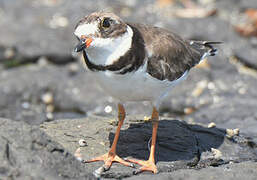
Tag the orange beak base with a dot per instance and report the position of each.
(88, 42)
(83, 43)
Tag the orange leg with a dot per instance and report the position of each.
(149, 165)
(111, 156)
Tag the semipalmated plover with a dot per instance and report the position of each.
(136, 62)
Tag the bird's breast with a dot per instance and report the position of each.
(133, 86)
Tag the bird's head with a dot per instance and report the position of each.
(99, 30)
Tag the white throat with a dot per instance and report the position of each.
(105, 51)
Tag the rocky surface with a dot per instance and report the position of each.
(179, 145)
(41, 81)
(45, 27)
(28, 153)
(244, 170)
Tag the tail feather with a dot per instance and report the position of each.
(209, 44)
(205, 48)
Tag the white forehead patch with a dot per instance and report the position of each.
(86, 29)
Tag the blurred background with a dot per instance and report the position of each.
(42, 80)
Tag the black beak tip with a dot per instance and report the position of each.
(76, 49)
(81, 45)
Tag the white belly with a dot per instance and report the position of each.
(134, 86)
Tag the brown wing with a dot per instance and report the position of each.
(169, 55)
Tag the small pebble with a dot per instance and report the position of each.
(236, 131)
(197, 92)
(216, 99)
(25, 105)
(98, 172)
(189, 110)
(211, 125)
(200, 86)
(50, 108)
(58, 21)
(78, 155)
(206, 2)
(147, 118)
(229, 132)
(42, 61)
(75, 91)
(232, 132)
(82, 143)
(217, 153)
(102, 143)
(49, 116)
(242, 91)
(108, 109)
(9, 53)
(47, 98)
(211, 85)
(191, 120)
(113, 122)
(73, 68)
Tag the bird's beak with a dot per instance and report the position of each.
(83, 43)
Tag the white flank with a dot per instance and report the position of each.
(136, 86)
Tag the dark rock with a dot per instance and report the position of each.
(249, 4)
(247, 56)
(45, 28)
(28, 153)
(229, 5)
(179, 145)
(21, 98)
(226, 100)
(28, 28)
(208, 29)
(245, 170)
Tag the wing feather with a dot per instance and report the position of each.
(170, 56)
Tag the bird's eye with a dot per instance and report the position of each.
(106, 23)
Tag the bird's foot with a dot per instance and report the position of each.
(148, 165)
(108, 159)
